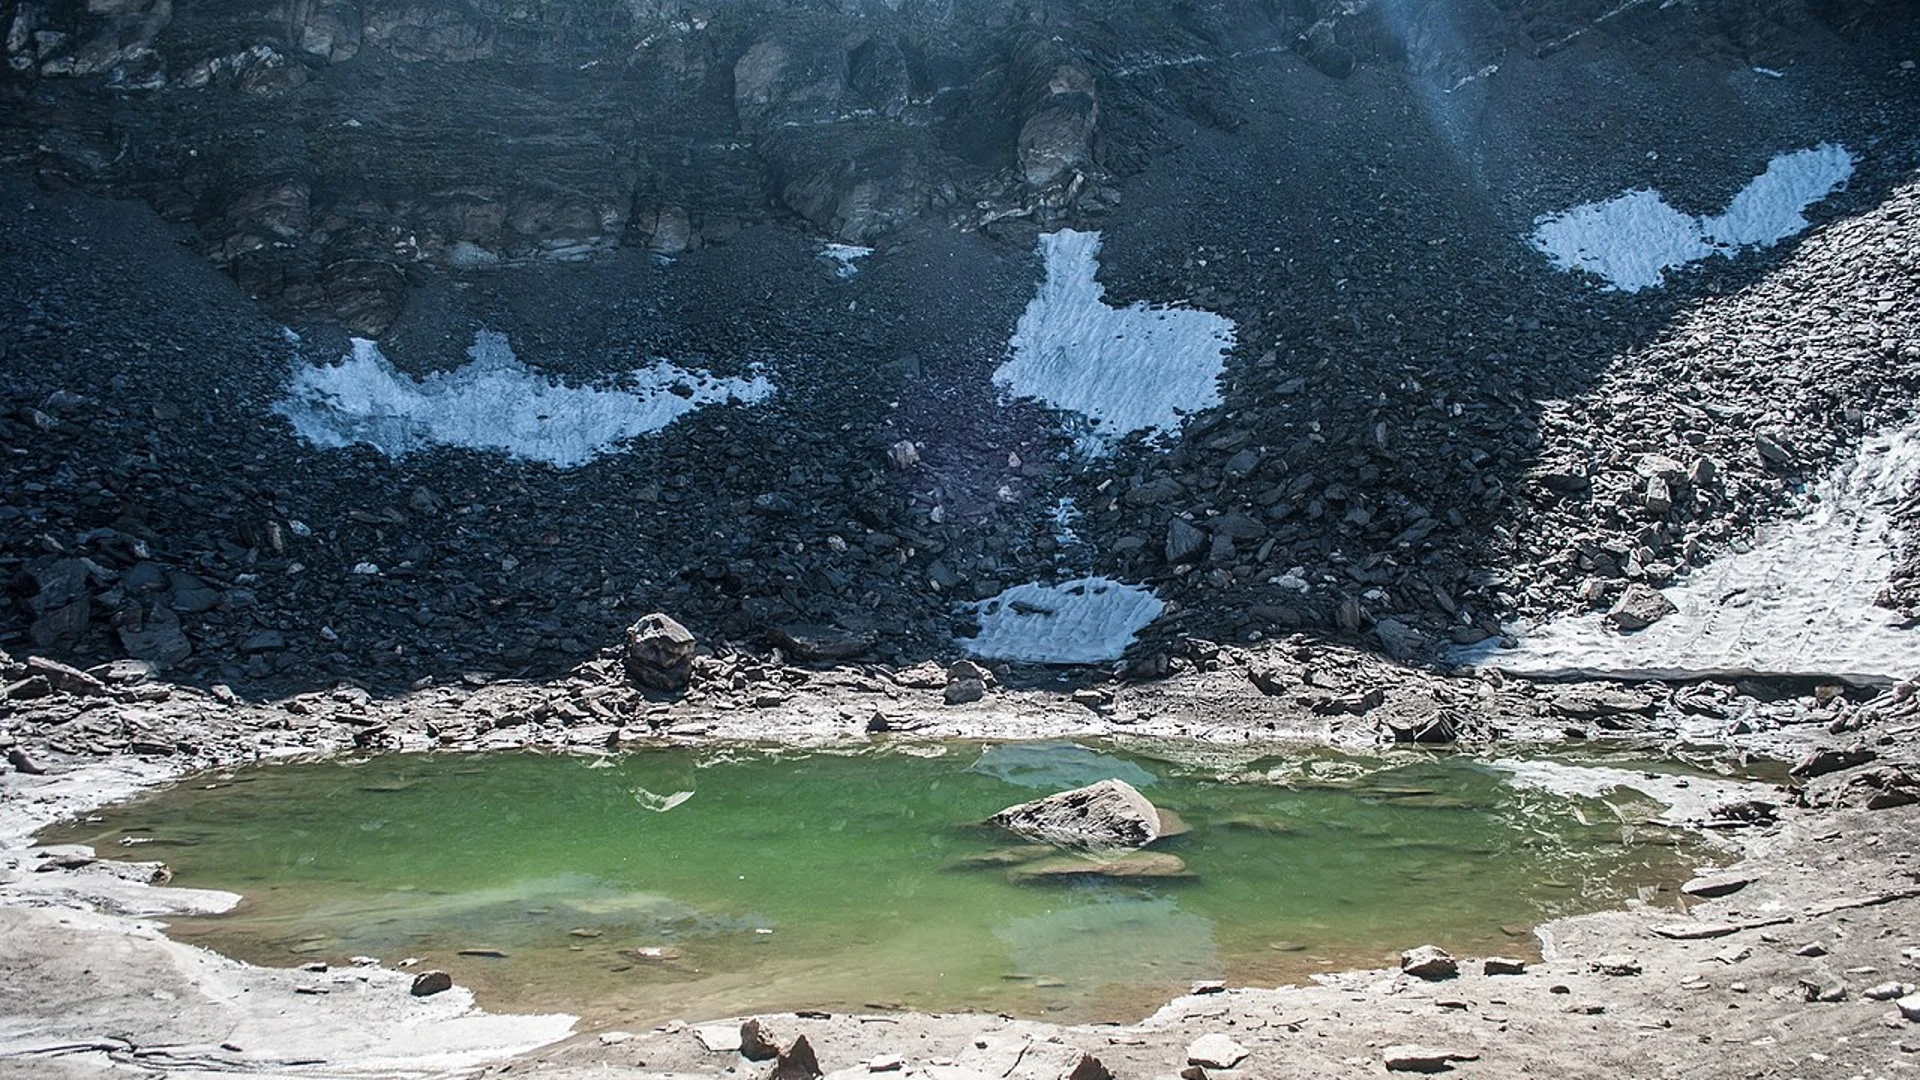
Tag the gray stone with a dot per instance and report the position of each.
(964, 691)
(1503, 965)
(1412, 1057)
(1184, 541)
(796, 1062)
(660, 653)
(1215, 1051)
(158, 638)
(1909, 1007)
(1087, 1068)
(1108, 815)
(1831, 760)
(1429, 962)
(263, 641)
(755, 1043)
(819, 643)
(1639, 607)
(1616, 965)
(428, 983)
(1717, 885)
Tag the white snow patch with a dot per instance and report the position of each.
(846, 255)
(1632, 239)
(1800, 602)
(1086, 621)
(1124, 369)
(1771, 208)
(495, 402)
(1687, 798)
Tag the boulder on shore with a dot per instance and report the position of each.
(1110, 814)
(660, 653)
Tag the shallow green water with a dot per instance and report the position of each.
(842, 879)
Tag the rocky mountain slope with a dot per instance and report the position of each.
(1424, 429)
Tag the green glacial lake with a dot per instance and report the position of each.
(707, 882)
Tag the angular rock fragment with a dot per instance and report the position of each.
(660, 653)
(796, 1062)
(1831, 760)
(1215, 1051)
(1429, 962)
(1639, 607)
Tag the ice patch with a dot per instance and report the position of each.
(1800, 602)
(1634, 238)
(1088, 621)
(495, 402)
(1124, 369)
(1687, 798)
(846, 255)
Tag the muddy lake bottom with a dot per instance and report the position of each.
(695, 883)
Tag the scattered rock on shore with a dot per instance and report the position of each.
(1429, 962)
(1410, 1057)
(1215, 1051)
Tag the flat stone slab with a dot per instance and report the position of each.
(1413, 1057)
(1713, 885)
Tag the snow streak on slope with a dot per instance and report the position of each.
(1124, 369)
(1088, 621)
(495, 402)
(1634, 238)
(1800, 602)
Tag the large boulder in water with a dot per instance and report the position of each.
(1108, 815)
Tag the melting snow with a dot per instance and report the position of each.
(1087, 621)
(846, 255)
(1687, 798)
(495, 402)
(1800, 602)
(1124, 369)
(1632, 239)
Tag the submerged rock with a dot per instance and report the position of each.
(1132, 864)
(1109, 814)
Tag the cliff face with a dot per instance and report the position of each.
(324, 148)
